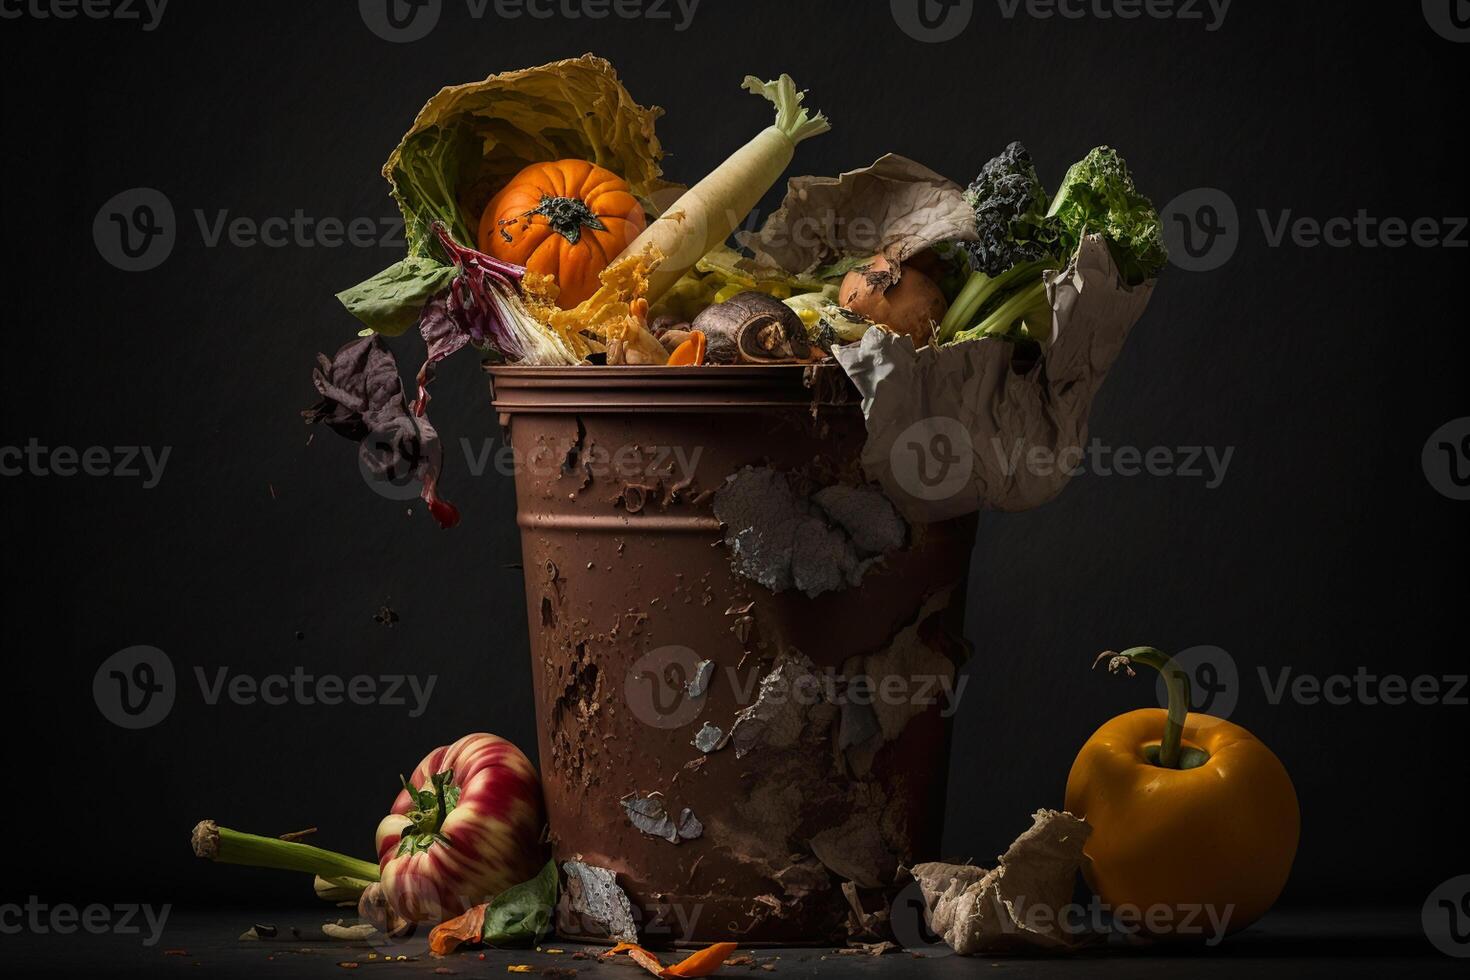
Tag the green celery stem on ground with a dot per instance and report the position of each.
(228, 846)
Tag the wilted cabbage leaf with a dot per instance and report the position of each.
(468, 140)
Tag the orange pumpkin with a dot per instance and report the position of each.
(566, 219)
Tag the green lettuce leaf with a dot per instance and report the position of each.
(390, 302)
(1097, 196)
(522, 913)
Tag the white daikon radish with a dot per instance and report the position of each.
(705, 215)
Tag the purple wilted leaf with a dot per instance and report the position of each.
(443, 336)
(362, 399)
(485, 300)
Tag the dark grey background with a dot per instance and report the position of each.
(1326, 369)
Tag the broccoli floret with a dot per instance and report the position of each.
(1010, 214)
(1020, 238)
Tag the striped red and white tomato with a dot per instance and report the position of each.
(466, 826)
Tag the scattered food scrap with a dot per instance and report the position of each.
(703, 963)
(980, 911)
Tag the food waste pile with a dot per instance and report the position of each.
(797, 548)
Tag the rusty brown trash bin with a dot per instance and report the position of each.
(630, 589)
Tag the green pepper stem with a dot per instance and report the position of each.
(1176, 682)
(233, 847)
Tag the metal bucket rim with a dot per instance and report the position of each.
(705, 388)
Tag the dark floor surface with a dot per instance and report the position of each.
(1289, 943)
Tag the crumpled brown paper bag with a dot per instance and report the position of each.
(956, 429)
(896, 206)
(1021, 903)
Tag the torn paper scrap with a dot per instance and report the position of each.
(1021, 903)
(957, 429)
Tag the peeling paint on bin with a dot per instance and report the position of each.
(788, 822)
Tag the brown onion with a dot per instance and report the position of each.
(908, 302)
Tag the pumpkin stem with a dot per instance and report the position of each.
(566, 215)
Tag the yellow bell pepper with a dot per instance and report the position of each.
(1194, 821)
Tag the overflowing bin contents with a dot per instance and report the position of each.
(747, 474)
